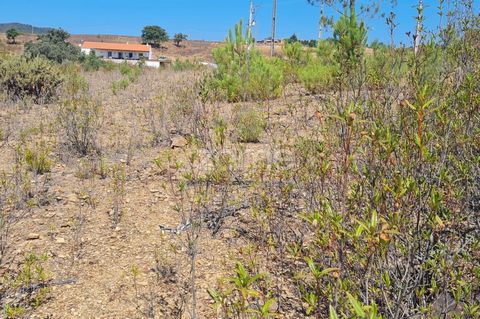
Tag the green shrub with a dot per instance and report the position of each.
(120, 85)
(109, 66)
(295, 57)
(244, 74)
(295, 53)
(243, 294)
(265, 79)
(30, 282)
(132, 72)
(135, 72)
(92, 62)
(124, 68)
(260, 79)
(37, 159)
(75, 85)
(326, 51)
(316, 76)
(249, 125)
(14, 311)
(37, 78)
(350, 38)
(184, 65)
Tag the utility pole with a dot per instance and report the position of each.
(418, 29)
(320, 22)
(250, 21)
(274, 18)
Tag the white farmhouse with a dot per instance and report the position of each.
(118, 50)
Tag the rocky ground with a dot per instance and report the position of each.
(131, 269)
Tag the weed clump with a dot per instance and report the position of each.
(79, 117)
(316, 76)
(184, 65)
(120, 85)
(79, 120)
(37, 158)
(130, 74)
(26, 289)
(249, 125)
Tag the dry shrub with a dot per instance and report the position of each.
(249, 124)
(79, 121)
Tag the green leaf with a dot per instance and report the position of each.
(360, 229)
(332, 312)
(357, 307)
(311, 265)
(266, 306)
(327, 271)
(374, 220)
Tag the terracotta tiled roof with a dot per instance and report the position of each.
(116, 46)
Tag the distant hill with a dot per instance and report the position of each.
(23, 28)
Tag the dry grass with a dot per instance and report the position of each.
(75, 223)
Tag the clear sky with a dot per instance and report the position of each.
(207, 19)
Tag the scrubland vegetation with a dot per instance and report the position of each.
(330, 182)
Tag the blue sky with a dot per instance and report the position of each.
(207, 19)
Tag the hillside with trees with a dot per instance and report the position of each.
(23, 28)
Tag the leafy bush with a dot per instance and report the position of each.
(326, 51)
(130, 73)
(350, 38)
(109, 66)
(243, 73)
(244, 296)
(295, 53)
(37, 78)
(249, 125)
(120, 85)
(317, 76)
(265, 79)
(37, 159)
(295, 57)
(26, 289)
(53, 46)
(184, 65)
(124, 68)
(92, 62)
(75, 85)
(379, 66)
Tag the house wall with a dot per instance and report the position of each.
(119, 54)
(153, 64)
(148, 63)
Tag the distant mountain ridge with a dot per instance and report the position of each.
(23, 28)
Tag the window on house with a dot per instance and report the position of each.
(141, 55)
(130, 55)
(109, 54)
